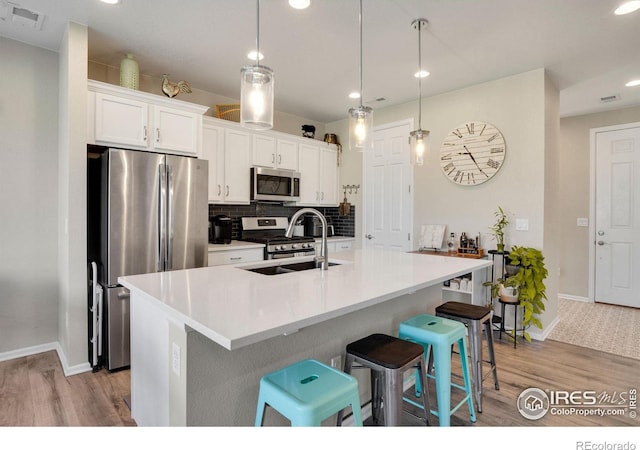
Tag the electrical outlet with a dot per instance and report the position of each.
(336, 362)
(175, 358)
(522, 224)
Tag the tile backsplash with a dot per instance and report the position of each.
(342, 225)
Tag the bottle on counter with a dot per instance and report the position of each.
(464, 243)
(451, 243)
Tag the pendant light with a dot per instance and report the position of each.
(419, 139)
(360, 118)
(256, 90)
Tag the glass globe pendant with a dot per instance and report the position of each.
(360, 118)
(419, 139)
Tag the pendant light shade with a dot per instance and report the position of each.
(360, 118)
(256, 90)
(419, 139)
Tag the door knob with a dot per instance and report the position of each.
(368, 236)
(600, 233)
(601, 242)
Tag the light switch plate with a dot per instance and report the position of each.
(582, 222)
(522, 224)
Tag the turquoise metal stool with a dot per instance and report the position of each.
(308, 392)
(441, 334)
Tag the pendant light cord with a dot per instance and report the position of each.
(360, 25)
(419, 75)
(257, 32)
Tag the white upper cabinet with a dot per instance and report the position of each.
(228, 150)
(274, 152)
(318, 175)
(132, 119)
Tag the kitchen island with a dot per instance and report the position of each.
(202, 338)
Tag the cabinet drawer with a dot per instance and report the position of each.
(342, 246)
(219, 258)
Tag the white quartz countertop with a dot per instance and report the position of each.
(235, 307)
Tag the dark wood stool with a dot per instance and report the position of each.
(388, 357)
(473, 316)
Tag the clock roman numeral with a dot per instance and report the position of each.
(471, 179)
(497, 149)
(459, 175)
(492, 137)
(457, 133)
(494, 164)
(449, 168)
(470, 128)
(482, 131)
(446, 157)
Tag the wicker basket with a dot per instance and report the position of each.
(228, 112)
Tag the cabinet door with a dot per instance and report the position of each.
(309, 174)
(176, 130)
(264, 151)
(343, 246)
(328, 176)
(237, 165)
(220, 258)
(121, 121)
(287, 154)
(213, 151)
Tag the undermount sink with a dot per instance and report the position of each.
(288, 268)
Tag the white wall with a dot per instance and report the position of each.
(72, 217)
(518, 106)
(28, 196)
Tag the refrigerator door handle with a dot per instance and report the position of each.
(96, 316)
(162, 217)
(170, 218)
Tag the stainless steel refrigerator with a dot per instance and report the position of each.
(147, 212)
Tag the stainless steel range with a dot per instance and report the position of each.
(270, 231)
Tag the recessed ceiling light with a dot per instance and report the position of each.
(633, 83)
(299, 4)
(252, 55)
(110, 2)
(421, 74)
(354, 95)
(627, 7)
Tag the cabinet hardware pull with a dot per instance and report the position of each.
(145, 132)
(219, 190)
(279, 159)
(157, 134)
(273, 158)
(227, 190)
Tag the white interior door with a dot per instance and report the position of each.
(617, 221)
(388, 206)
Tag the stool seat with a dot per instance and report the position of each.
(463, 310)
(308, 392)
(474, 317)
(388, 358)
(384, 350)
(440, 334)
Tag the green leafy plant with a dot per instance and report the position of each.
(529, 284)
(498, 228)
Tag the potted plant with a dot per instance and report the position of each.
(498, 228)
(527, 283)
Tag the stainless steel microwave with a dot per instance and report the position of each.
(274, 185)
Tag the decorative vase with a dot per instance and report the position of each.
(500, 247)
(129, 72)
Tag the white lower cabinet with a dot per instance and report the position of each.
(236, 256)
(465, 289)
(333, 247)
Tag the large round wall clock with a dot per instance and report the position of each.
(472, 153)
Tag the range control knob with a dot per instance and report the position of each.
(294, 246)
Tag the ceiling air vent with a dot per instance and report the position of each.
(610, 98)
(22, 16)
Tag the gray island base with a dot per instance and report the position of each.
(201, 339)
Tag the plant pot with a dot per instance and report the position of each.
(511, 270)
(508, 294)
(500, 247)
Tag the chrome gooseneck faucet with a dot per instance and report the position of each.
(323, 259)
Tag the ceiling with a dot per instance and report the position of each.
(588, 51)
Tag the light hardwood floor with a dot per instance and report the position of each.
(34, 391)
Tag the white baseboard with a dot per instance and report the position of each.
(71, 370)
(541, 335)
(28, 351)
(575, 298)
